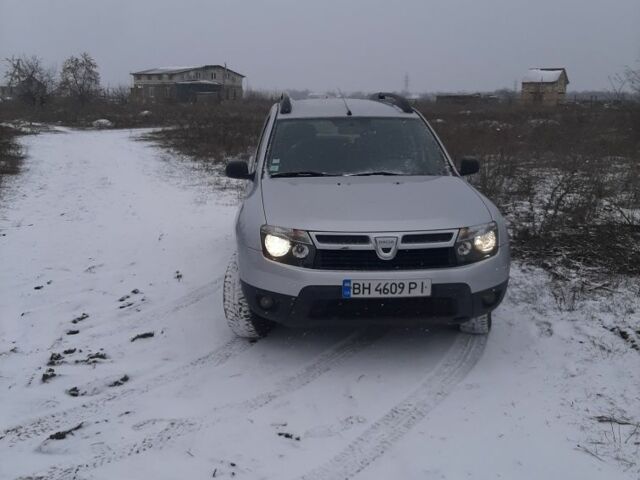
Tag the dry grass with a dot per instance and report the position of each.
(10, 153)
(211, 134)
(568, 179)
(125, 114)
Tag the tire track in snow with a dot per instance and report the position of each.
(326, 361)
(388, 429)
(89, 410)
(55, 421)
(159, 312)
(191, 298)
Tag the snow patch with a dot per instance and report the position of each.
(102, 123)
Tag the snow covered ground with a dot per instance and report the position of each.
(104, 238)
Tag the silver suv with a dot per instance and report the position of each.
(355, 213)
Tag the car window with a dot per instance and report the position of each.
(356, 146)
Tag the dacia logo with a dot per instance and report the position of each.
(386, 247)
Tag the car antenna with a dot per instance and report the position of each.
(345, 103)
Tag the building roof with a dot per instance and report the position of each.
(334, 107)
(544, 75)
(172, 70)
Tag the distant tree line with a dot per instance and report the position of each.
(34, 83)
(78, 79)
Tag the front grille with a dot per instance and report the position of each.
(383, 308)
(406, 259)
(343, 239)
(427, 237)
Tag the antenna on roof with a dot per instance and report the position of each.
(345, 102)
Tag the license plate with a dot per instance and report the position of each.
(385, 288)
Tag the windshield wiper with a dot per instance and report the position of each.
(303, 173)
(364, 174)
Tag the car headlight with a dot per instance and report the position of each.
(287, 245)
(486, 242)
(276, 246)
(476, 243)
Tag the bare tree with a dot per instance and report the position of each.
(79, 78)
(119, 94)
(617, 88)
(633, 78)
(32, 81)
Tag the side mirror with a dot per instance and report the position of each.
(468, 166)
(238, 169)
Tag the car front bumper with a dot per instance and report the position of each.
(449, 303)
(305, 297)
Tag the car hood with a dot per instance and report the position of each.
(372, 204)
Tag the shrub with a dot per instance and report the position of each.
(10, 152)
(568, 180)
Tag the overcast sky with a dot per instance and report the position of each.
(444, 45)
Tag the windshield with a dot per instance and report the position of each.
(355, 146)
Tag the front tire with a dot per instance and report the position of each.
(242, 321)
(480, 325)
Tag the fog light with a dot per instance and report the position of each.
(489, 298)
(464, 248)
(300, 251)
(266, 302)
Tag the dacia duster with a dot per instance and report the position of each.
(355, 213)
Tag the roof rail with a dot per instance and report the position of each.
(285, 103)
(394, 99)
